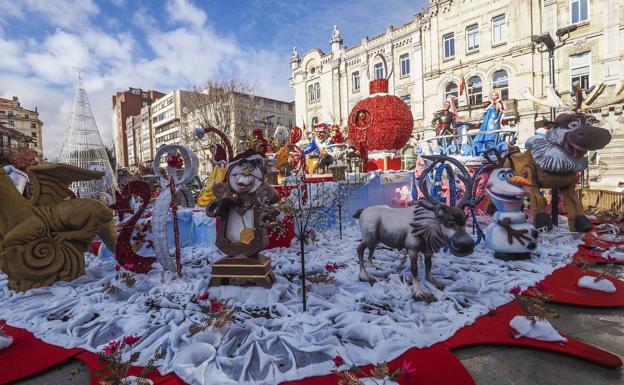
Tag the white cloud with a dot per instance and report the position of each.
(177, 55)
(180, 52)
(185, 13)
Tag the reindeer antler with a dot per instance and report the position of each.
(499, 158)
(617, 99)
(464, 176)
(430, 203)
(551, 100)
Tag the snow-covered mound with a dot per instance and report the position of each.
(613, 254)
(540, 330)
(590, 282)
(272, 340)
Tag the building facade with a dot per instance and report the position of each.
(125, 104)
(25, 121)
(488, 41)
(173, 118)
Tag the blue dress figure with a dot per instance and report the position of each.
(491, 121)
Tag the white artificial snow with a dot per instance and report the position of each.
(590, 282)
(375, 381)
(612, 238)
(613, 254)
(5, 341)
(272, 339)
(540, 330)
(132, 380)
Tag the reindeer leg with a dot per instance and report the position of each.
(363, 274)
(538, 206)
(577, 221)
(439, 285)
(418, 292)
(371, 250)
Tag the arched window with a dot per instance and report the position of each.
(500, 83)
(475, 90)
(314, 92)
(450, 90)
(378, 68)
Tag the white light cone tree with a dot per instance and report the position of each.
(83, 146)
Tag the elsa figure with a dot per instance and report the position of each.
(491, 121)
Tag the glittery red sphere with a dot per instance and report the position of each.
(380, 122)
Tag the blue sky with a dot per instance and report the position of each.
(166, 45)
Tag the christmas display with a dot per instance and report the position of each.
(553, 160)
(421, 229)
(508, 235)
(44, 237)
(244, 208)
(380, 122)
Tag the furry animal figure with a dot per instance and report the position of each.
(554, 159)
(421, 228)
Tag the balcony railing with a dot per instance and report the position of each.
(602, 199)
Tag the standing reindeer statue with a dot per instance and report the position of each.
(554, 159)
(422, 228)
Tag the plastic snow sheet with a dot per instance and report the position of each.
(272, 339)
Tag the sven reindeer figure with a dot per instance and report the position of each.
(553, 160)
(422, 228)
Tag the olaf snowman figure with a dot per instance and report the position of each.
(244, 208)
(509, 234)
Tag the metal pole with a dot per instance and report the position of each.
(554, 202)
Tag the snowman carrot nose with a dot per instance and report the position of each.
(246, 172)
(520, 181)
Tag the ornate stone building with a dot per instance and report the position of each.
(25, 121)
(489, 41)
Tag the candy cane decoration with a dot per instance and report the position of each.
(163, 202)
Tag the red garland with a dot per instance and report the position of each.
(124, 255)
(380, 122)
(176, 230)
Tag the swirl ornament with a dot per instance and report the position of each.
(124, 252)
(180, 176)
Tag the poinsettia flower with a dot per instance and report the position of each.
(111, 347)
(131, 340)
(338, 361)
(515, 290)
(407, 369)
(117, 267)
(216, 306)
(204, 296)
(330, 267)
(543, 287)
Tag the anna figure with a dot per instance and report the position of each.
(491, 121)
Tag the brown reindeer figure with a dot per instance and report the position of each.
(555, 159)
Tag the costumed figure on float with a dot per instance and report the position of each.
(244, 208)
(491, 121)
(509, 234)
(444, 124)
(318, 150)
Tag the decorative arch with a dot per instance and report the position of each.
(487, 77)
(371, 69)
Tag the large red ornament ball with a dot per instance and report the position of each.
(380, 122)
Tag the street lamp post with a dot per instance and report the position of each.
(546, 43)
